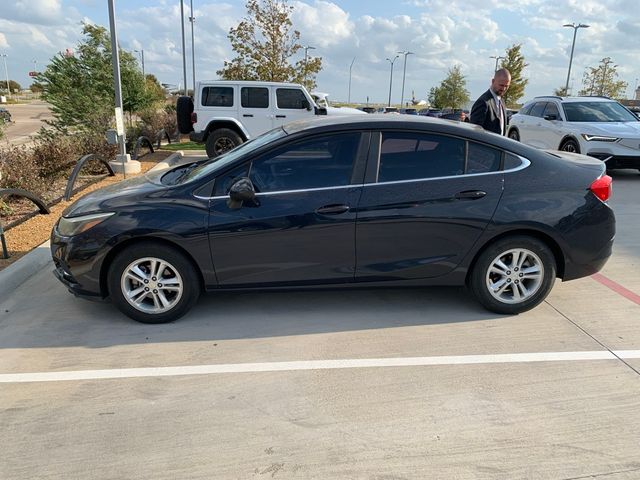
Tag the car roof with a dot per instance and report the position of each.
(573, 99)
(204, 83)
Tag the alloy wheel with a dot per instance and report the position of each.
(514, 276)
(151, 285)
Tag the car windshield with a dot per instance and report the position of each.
(225, 159)
(597, 112)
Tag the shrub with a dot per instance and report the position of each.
(19, 169)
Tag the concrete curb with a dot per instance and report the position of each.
(19, 272)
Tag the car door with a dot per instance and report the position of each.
(301, 228)
(551, 131)
(427, 198)
(532, 133)
(291, 104)
(255, 112)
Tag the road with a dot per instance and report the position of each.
(368, 384)
(27, 120)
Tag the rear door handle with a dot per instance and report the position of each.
(333, 209)
(470, 195)
(247, 115)
(281, 116)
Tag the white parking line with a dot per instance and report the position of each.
(315, 365)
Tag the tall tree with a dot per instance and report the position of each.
(603, 80)
(514, 62)
(452, 91)
(264, 42)
(80, 87)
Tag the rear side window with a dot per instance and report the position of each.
(254, 97)
(537, 109)
(291, 98)
(217, 97)
(482, 159)
(511, 161)
(412, 156)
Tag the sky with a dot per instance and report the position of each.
(440, 33)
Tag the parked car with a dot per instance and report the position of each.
(369, 109)
(322, 100)
(225, 113)
(408, 111)
(596, 126)
(458, 116)
(5, 115)
(375, 200)
(430, 112)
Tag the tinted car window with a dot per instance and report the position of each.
(537, 109)
(408, 156)
(597, 112)
(552, 109)
(217, 96)
(526, 109)
(482, 159)
(254, 97)
(325, 161)
(511, 161)
(290, 98)
(224, 182)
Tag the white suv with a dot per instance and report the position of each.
(594, 126)
(225, 113)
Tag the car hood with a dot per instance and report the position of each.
(344, 111)
(611, 129)
(120, 193)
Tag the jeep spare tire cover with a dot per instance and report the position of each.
(184, 109)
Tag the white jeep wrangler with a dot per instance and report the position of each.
(225, 113)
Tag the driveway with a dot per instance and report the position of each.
(27, 120)
(368, 384)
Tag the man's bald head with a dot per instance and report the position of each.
(501, 81)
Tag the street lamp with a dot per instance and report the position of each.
(350, 67)
(6, 72)
(404, 72)
(193, 52)
(391, 75)
(497, 58)
(141, 52)
(184, 58)
(573, 44)
(306, 49)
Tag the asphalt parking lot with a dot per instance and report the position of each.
(368, 384)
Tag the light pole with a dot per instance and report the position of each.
(495, 69)
(193, 51)
(306, 49)
(606, 62)
(6, 72)
(573, 45)
(634, 94)
(391, 76)
(141, 52)
(350, 67)
(184, 58)
(404, 72)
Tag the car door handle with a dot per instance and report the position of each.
(281, 116)
(333, 209)
(470, 195)
(247, 115)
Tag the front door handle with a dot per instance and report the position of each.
(247, 115)
(470, 195)
(333, 209)
(281, 116)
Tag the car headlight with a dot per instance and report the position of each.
(598, 138)
(68, 227)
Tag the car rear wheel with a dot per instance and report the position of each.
(570, 146)
(153, 283)
(222, 140)
(513, 275)
(514, 135)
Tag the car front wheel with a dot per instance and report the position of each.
(570, 146)
(513, 275)
(513, 135)
(153, 283)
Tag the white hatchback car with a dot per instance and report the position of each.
(594, 126)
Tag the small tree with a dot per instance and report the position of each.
(603, 80)
(264, 42)
(452, 91)
(15, 86)
(514, 62)
(561, 92)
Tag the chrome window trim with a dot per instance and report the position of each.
(525, 163)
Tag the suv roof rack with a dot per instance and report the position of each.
(549, 96)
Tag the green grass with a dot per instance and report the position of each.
(183, 146)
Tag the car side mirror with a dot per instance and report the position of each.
(551, 117)
(321, 111)
(306, 105)
(241, 191)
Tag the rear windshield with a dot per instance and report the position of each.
(597, 112)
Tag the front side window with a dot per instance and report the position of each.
(320, 162)
(537, 109)
(552, 109)
(410, 156)
(291, 98)
(254, 97)
(217, 97)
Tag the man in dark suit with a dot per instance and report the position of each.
(489, 110)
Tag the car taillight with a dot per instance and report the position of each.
(601, 187)
(194, 118)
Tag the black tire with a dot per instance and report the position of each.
(222, 140)
(184, 109)
(570, 145)
(515, 278)
(514, 135)
(181, 289)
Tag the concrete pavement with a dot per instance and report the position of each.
(27, 120)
